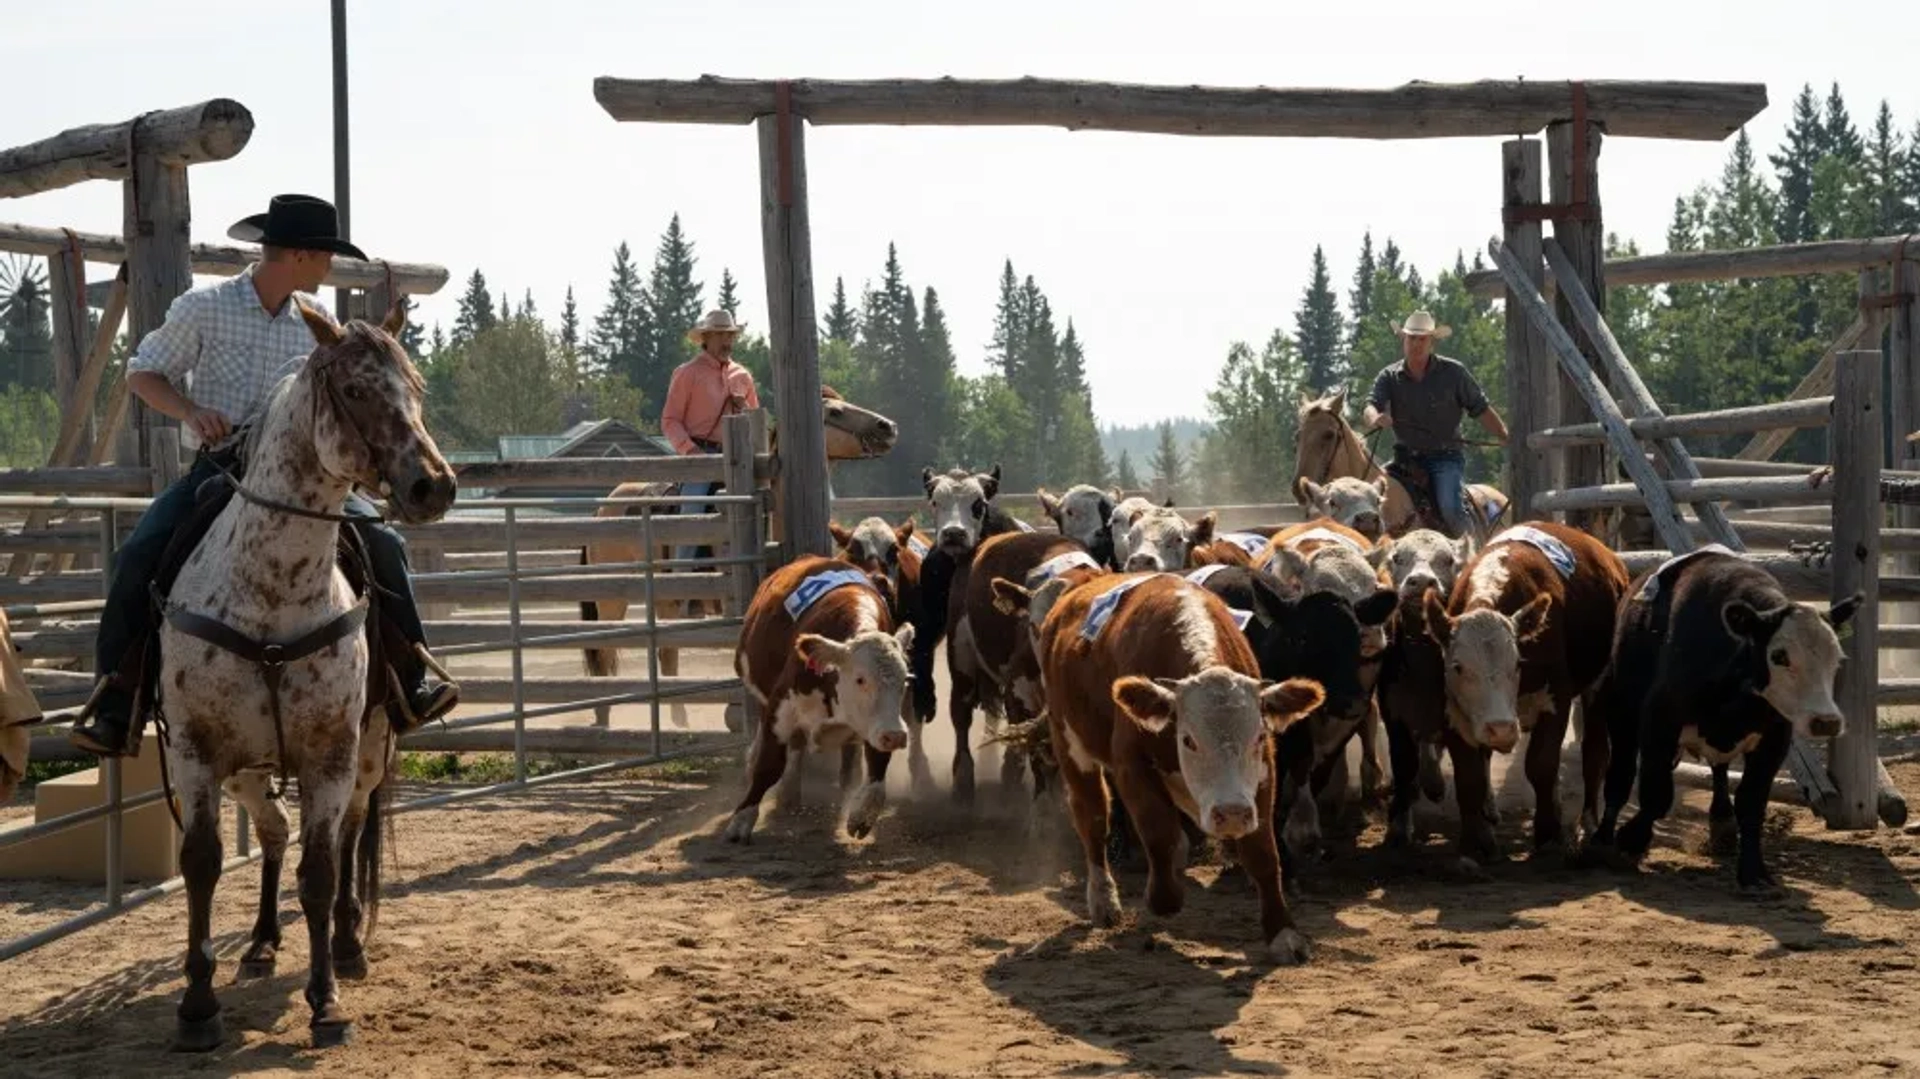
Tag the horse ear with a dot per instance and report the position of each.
(1340, 400)
(325, 330)
(396, 319)
(1306, 399)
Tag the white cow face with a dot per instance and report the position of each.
(1338, 569)
(1120, 522)
(1081, 514)
(1802, 657)
(873, 545)
(872, 669)
(1350, 501)
(1160, 540)
(1482, 655)
(1424, 559)
(1221, 720)
(957, 503)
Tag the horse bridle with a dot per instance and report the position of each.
(1326, 473)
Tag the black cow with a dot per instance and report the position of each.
(1711, 656)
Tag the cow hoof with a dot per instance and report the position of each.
(1290, 947)
(1490, 813)
(1400, 832)
(351, 968)
(331, 1031)
(1103, 903)
(1759, 883)
(198, 1035)
(740, 826)
(1723, 837)
(866, 809)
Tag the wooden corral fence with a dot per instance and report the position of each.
(1850, 788)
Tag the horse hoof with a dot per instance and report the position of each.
(351, 969)
(253, 970)
(331, 1033)
(198, 1035)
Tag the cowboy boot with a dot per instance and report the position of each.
(104, 727)
(426, 691)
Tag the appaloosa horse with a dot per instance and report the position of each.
(853, 434)
(1327, 448)
(264, 670)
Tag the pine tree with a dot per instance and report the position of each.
(527, 310)
(622, 331)
(1885, 157)
(506, 307)
(1839, 138)
(570, 325)
(1793, 166)
(413, 339)
(1318, 330)
(1124, 475)
(1360, 296)
(1009, 328)
(841, 323)
(729, 293)
(1909, 185)
(475, 310)
(936, 370)
(673, 305)
(1169, 471)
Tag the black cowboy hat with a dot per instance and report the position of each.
(301, 222)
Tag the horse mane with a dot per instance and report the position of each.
(379, 340)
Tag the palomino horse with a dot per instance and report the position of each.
(264, 669)
(1328, 448)
(853, 434)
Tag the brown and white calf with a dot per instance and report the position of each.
(1520, 641)
(819, 652)
(1161, 540)
(895, 553)
(1084, 514)
(1149, 681)
(1120, 522)
(1411, 690)
(1350, 501)
(989, 653)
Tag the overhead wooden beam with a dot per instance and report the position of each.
(191, 135)
(1780, 260)
(1788, 415)
(225, 260)
(1419, 110)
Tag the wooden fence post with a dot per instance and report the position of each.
(1532, 384)
(159, 259)
(740, 441)
(1853, 758)
(795, 335)
(1575, 146)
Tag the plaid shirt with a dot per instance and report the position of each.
(223, 350)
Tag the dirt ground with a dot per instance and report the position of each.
(603, 928)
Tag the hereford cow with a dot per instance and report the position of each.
(1711, 657)
(1149, 680)
(892, 552)
(1239, 548)
(1125, 512)
(1084, 514)
(989, 653)
(1518, 641)
(1412, 688)
(1318, 637)
(1161, 540)
(1352, 502)
(961, 506)
(819, 652)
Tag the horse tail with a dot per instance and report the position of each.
(601, 662)
(372, 844)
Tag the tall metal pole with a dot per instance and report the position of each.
(342, 198)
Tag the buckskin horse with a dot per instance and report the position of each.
(1327, 448)
(853, 434)
(264, 669)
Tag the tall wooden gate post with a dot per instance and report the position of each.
(1854, 760)
(788, 248)
(1573, 182)
(159, 257)
(1532, 382)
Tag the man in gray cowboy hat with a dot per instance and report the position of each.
(705, 391)
(212, 366)
(1422, 398)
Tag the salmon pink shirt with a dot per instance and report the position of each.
(697, 400)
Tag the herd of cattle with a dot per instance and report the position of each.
(1214, 679)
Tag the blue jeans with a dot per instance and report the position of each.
(705, 488)
(1446, 472)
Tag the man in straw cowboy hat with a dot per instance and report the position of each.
(1422, 398)
(705, 391)
(213, 366)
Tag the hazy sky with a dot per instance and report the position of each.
(477, 141)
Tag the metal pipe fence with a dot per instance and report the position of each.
(640, 512)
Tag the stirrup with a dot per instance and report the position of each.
(426, 660)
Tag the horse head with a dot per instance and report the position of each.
(853, 433)
(367, 425)
(1326, 446)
